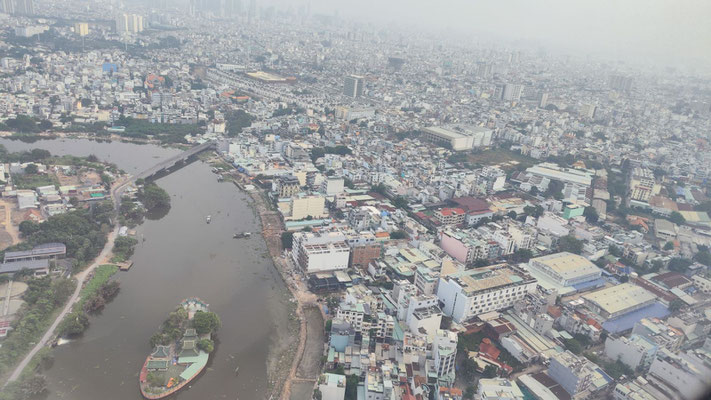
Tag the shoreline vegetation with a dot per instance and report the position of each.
(85, 232)
(279, 362)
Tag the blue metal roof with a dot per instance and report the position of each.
(627, 321)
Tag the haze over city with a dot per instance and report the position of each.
(375, 200)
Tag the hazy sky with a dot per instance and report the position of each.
(667, 31)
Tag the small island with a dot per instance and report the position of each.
(180, 350)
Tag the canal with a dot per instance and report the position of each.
(179, 256)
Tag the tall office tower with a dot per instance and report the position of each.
(81, 28)
(252, 11)
(514, 57)
(135, 23)
(24, 7)
(512, 92)
(122, 23)
(484, 70)
(353, 86)
(621, 82)
(544, 100)
(132, 23)
(7, 6)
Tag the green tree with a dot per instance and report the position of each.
(591, 215)
(206, 322)
(287, 239)
(352, 387)
(206, 345)
(570, 244)
(28, 227)
(668, 246)
(317, 394)
(154, 379)
(677, 218)
(154, 197)
(490, 372)
(398, 235)
(73, 324)
(400, 202)
(676, 305)
(573, 345)
(678, 264)
(31, 169)
(703, 257)
(534, 211)
(124, 247)
(469, 392)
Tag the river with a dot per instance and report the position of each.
(181, 256)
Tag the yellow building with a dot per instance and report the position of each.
(81, 28)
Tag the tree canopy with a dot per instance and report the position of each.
(570, 244)
(206, 322)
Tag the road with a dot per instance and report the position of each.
(116, 192)
(9, 227)
(6, 307)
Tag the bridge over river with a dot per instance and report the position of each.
(173, 161)
(162, 166)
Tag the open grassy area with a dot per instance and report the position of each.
(102, 274)
(506, 159)
(32, 181)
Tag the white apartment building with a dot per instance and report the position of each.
(423, 315)
(332, 186)
(332, 386)
(678, 374)
(498, 389)
(320, 252)
(353, 314)
(444, 354)
(476, 291)
(635, 351)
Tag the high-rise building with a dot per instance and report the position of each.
(484, 70)
(24, 7)
(7, 6)
(353, 86)
(621, 82)
(81, 28)
(512, 92)
(252, 11)
(444, 354)
(132, 23)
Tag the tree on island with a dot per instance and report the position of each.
(206, 322)
(154, 197)
(206, 345)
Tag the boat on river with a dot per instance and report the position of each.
(242, 235)
(208, 219)
(173, 364)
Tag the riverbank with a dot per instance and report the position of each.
(302, 364)
(81, 277)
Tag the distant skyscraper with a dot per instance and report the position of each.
(132, 23)
(512, 92)
(24, 7)
(621, 82)
(7, 6)
(353, 86)
(81, 28)
(484, 70)
(252, 11)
